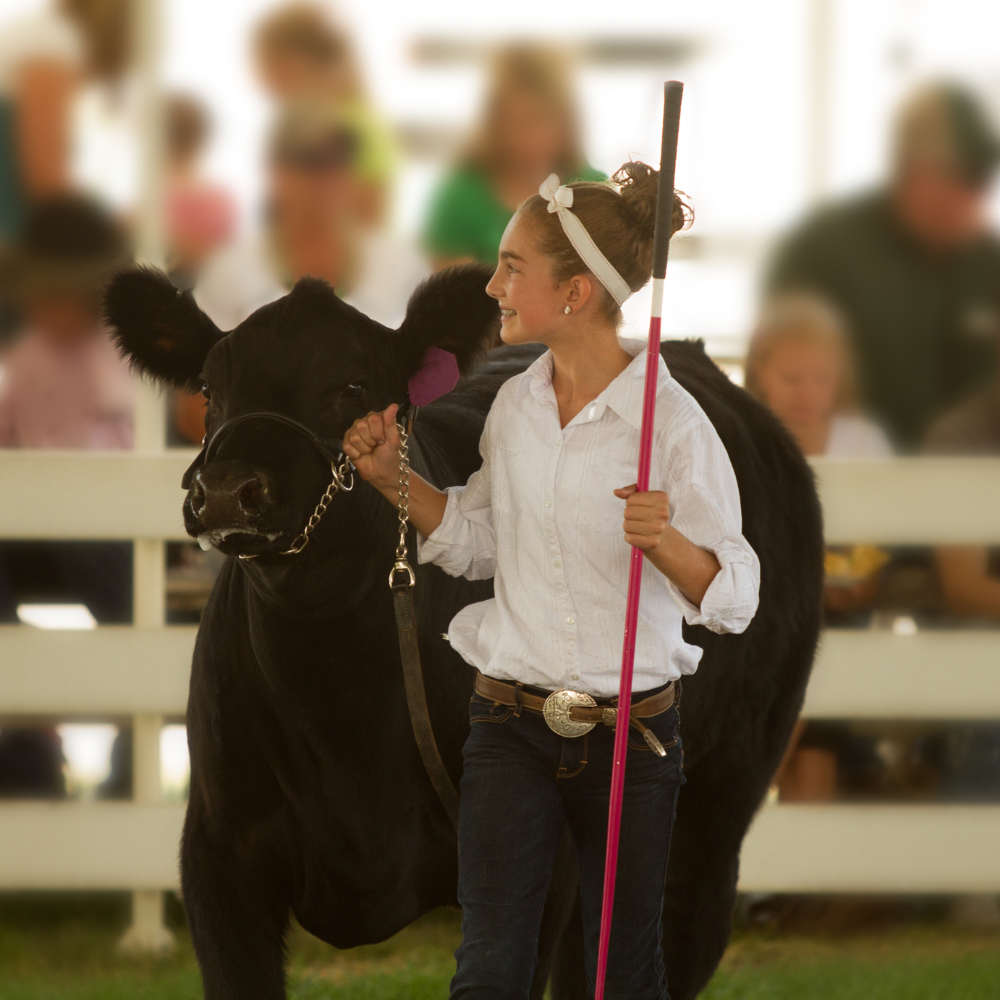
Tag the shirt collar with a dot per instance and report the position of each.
(623, 396)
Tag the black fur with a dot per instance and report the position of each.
(307, 792)
(443, 311)
(157, 327)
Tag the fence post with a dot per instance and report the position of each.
(148, 932)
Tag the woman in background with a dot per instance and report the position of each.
(529, 129)
(800, 367)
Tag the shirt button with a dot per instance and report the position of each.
(570, 620)
(558, 441)
(557, 564)
(548, 503)
(576, 677)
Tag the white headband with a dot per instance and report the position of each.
(560, 199)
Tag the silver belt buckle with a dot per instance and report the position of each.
(556, 712)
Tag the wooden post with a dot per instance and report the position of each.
(148, 931)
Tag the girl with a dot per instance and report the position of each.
(550, 517)
(800, 367)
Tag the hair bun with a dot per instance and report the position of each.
(637, 183)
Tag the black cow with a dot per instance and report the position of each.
(308, 795)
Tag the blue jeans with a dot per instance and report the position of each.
(521, 784)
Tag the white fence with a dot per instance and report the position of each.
(141, 672)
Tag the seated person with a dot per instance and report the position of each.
(970, 583)
(799, 365)
(64, 386)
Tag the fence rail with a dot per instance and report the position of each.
(141, 672)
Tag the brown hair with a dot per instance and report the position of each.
(542, 74)
(620, 218)
(106, 27)
(303, 30)
(800, 318)
(187, 126)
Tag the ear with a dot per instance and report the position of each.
(451, 310)
(158, 328)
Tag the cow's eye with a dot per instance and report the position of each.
(205, 391)
(355, 390)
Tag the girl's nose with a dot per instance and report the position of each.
(492, 288)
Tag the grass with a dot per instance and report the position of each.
(63, 948)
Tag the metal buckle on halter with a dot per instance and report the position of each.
(557, 708)
(402, 566)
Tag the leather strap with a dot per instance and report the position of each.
(514, 696)
(416, 699)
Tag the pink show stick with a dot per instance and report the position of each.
(672, 93)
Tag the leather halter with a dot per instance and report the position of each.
(332, 451)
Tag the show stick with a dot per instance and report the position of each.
(672, 93)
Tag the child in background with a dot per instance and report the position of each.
(799, 365)
(64, 386)
(200, 217)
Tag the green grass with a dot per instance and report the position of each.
(63, 948)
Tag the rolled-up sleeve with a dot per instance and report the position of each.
(705, 508)
(464, 543)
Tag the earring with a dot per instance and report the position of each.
(567, 310)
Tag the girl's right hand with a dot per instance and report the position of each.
(372, 444)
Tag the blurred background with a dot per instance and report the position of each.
(843, 265)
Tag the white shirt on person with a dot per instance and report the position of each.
(541, 518)
(856, 437)
(242, 277)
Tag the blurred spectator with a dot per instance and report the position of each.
(31, 763)
(799, 365)
(64, 386)
(302, 56)
(312, 228)
(44, 57)
(912, 266)
(970, 574)
(970, 583)
(200, 217)
(529, 129)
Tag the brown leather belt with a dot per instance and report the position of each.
(572, 713)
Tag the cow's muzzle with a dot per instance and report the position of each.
(231, 500)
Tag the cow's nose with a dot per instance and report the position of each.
(229, 492)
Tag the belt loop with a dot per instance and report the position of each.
(518, 705)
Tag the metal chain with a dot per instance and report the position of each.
(402, 563)
(338, 483)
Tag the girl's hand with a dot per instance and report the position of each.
(372, 444)
(647, 516)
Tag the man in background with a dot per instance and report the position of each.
(912, 265)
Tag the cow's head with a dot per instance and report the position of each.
(308, 356)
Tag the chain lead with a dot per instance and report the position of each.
(402, 563)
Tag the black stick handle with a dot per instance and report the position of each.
(673, 91)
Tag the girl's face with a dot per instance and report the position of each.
(801, 382)
(531, 301)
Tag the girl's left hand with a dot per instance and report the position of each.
(647, 516)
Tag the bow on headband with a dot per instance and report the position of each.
(557, 195)
(560, 199)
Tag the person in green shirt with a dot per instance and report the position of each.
(529, 130)
(912, 266)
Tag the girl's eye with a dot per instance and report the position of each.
(511, 269)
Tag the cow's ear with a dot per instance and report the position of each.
(158, 329)
(451, 310)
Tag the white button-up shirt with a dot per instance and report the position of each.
(541, 518)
